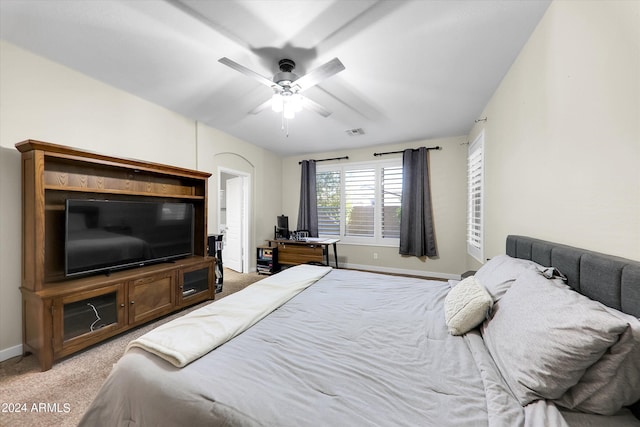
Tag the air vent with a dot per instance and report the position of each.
(355, 132)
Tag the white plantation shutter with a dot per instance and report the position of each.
(328, 198)
(360, 202)
(475, 184)
(391, 201)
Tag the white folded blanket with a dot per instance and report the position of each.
(193, 335)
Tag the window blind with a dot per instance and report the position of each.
(475, 168)
(391, 201)
(360, 200)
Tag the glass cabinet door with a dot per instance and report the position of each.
(196, 283)
(89, 315)
(86, 317)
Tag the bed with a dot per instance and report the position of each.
(512, 345)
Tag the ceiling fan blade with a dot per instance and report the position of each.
(314, 106)
(247, 72)
(317, 75)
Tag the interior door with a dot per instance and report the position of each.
(233, 245)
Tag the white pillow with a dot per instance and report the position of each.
(466, 306)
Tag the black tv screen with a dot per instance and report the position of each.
(106, 235)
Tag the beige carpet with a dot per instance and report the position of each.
(60, 396)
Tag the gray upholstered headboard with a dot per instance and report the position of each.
(611, 280)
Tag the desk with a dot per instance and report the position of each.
(293, 252)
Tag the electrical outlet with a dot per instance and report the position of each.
(375, 255)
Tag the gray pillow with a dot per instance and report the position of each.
(498, 274)
(543, 336)
(614, 380)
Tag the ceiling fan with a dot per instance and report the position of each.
(288, 86)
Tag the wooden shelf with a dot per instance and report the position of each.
(83, 284)
(53, 173)
(135, 192)
(84, 156)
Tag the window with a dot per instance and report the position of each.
(328, 198)
(475, 184)
(360, 203)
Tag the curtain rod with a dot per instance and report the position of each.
(402, 151)
(324, 160)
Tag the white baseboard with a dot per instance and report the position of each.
(8, 353)
(420, 273)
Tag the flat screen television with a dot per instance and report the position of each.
(107, 235)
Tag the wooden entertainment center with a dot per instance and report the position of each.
(63, 315)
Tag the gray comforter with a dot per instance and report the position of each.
(353, 349)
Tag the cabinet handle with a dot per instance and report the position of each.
(132, 302)
(121, 305)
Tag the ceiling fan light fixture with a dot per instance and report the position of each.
(277, 103)
(288, 112)
(286, 102)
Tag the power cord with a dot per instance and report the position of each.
(97, 316)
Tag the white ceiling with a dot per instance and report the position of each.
(414, 69)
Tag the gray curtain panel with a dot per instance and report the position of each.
(417, 236)
(308, 210)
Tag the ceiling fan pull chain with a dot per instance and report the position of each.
(284, 126)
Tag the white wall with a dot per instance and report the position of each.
(42, 100)
(562, 136)
(448, 195)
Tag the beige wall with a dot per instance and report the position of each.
(448, 186)
(217, 149)
(562, 136)
(46, 101)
